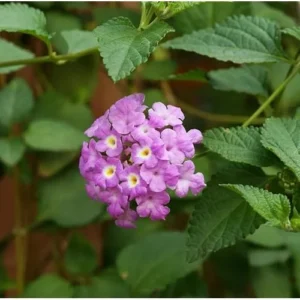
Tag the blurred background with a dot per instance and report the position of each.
(78, 232)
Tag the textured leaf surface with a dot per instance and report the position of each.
(16, 102)
(239, 39)
(17, 17)
(48, 135)
(9, 52)
(123, 47)
(63, 199)
(207, 14)
(238, 144)
(49, 286)
(154, 261)
(282, 137)
(247, 79)
(11, 150)
(80, 257)
(222, 217)
(73, 41)
(275, 208)
(294, 31)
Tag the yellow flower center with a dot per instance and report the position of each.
(133, 180)
(111, 141)
(109, 171)
(145, 152)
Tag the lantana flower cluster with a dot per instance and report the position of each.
(134, 155)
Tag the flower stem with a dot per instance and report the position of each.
(59, 59)
(276, 93)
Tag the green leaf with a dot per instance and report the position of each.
(247, 79)
(80, 257)
(263, 257)
(17, 17)
(239, 39)
(154, 261)
(48, 286)
(9, 52)
(16, 102)
(107, 285)
(57, 22)
(272, 281)
(205, 15)
(104, 14)
(238, 144)
(63, 199)
(123, 47)
(273, 207)
(221, 217)
(158, 70)
(11, 151)
(153, 95)
(294, 31)
(73, 41)
(192, 75)
(267, 236)
(264, 10)
(166, 9)
(281, 136)
(48, 135)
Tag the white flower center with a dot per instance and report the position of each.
(111, 141)
(109, 171)
(133, 180)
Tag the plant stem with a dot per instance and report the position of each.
(59, 59)
(273, 96)
(202, 114)
(20, 232)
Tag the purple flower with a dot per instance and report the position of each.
(89, 157)
(110, 143)
(107, 172)
(115, 199)
(93, 190)
(148, 154)
(127, 219)
(153, 205)
(127, 113)
(161, 115)
(101, 124)
(169, 137)
(145, 133)
(132, 183)
(186, 140)
(189, 180)
(161, 176)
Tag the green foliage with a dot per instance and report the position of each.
(166, 9)
(57, 22)
(262, 257)
(154, 262)
(16, 102)
(136, 47)
(73, 41)
(294, 31)
(48, 135)
(273, 207)
(222, 213)
(63, 199)
(238, 144)
(11, 150)
(107, 285)
(10, 52)
(281, 136)
(246, 79)
(238, 39)
(17, 17)
(80, 257)
(49, 286)
(206, 14)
